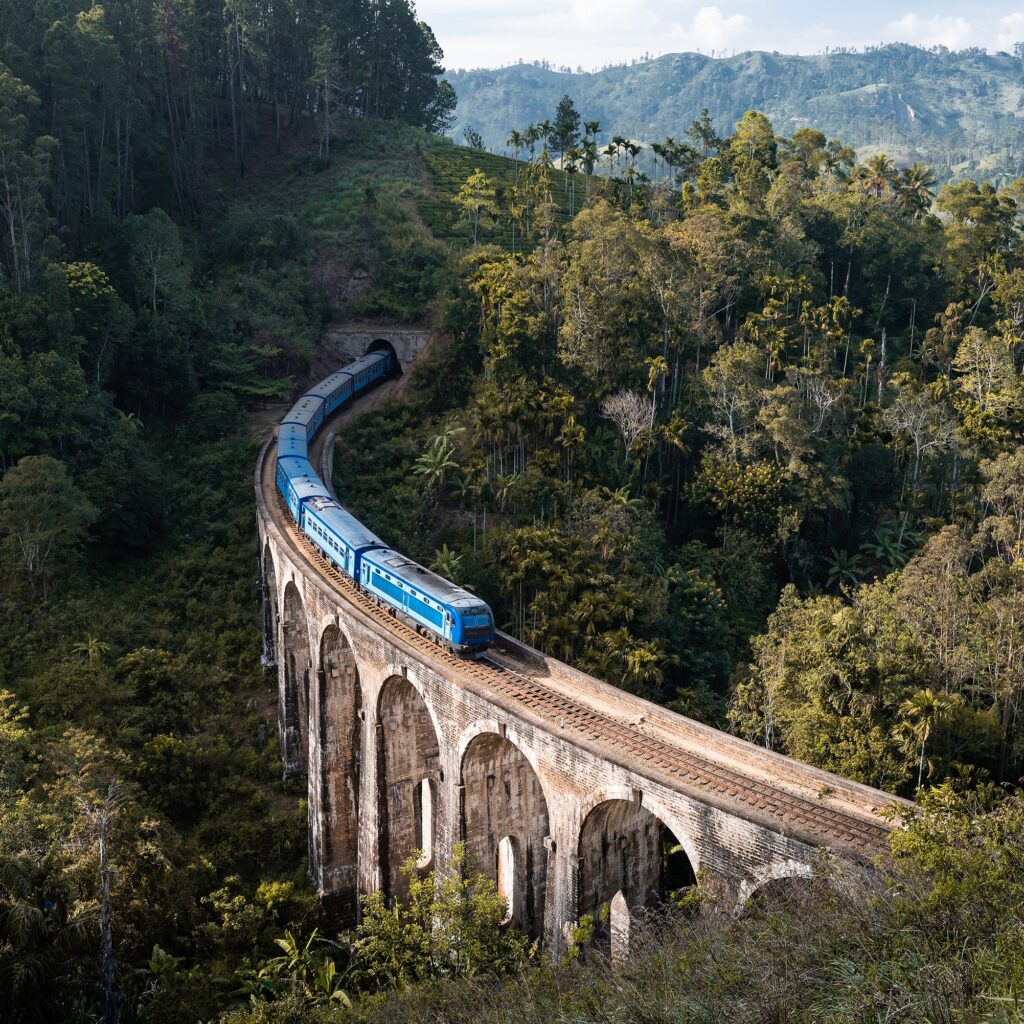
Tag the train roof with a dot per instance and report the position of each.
(305, 409)
(363, 361)
(328, 384)
(404, 568)
(307, 487)
(297, 465)
(291, 441)
(341, 522)
(302, 477)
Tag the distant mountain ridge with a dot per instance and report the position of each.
(962, 112)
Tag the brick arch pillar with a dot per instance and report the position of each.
(335, 766)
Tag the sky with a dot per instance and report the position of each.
(592, 33)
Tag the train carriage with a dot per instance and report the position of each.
(334, 390)
(341, 537)
(291, 441)
(308, 412)
(436, 607)
(370, 368)
(298, 482)
(433, 603)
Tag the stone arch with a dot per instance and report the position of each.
(486, 726)
(627, 854)
(504, 800)
(781, 873)
(296, 666)
(335, 793)
(268, 580)
(383, 345)
(665, 814)
(409, 753)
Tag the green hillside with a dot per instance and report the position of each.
(960, 112)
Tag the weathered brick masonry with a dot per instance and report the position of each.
(564, 789)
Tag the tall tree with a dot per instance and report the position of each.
(44, 520)
(24, 169)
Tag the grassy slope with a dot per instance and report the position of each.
(382, 208)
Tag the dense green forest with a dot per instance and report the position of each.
(746, 442)
(750, 448)
(151, 297)
(958, 111)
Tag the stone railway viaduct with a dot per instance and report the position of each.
(571, 794)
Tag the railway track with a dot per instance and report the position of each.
(863, 835)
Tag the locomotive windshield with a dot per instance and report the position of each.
(475, 618)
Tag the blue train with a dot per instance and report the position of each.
(451, 616)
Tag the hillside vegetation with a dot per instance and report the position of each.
(959, 112)
(750, 447)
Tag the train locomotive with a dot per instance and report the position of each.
(452, 617)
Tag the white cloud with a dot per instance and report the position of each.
(1011, 30)
(581, 32)
(710, 29)
(941, 30)
(591, 33)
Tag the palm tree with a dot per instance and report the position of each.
(588, 160)
(886, 547)
(669, 152)
(877, 176)
(447, 563)
(516, 141)
(91, 649)
(844, 569)
(503, 489)
(611, 151)
(571, 166)
(131, 419)
(544, 130)
(436, 463)
(43, 931)
(304, 971)
(915, 190)
(659, 151)
(531, 137)
(925, 711)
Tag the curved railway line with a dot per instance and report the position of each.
(777, 792)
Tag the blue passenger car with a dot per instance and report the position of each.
(450, 615)
(291, 441)
(461, 621)
(307, 412)
(298, 482)
(341, 537)
(334, 390)
(369, 369)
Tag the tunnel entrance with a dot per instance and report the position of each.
(380, 345)
(629, 861)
